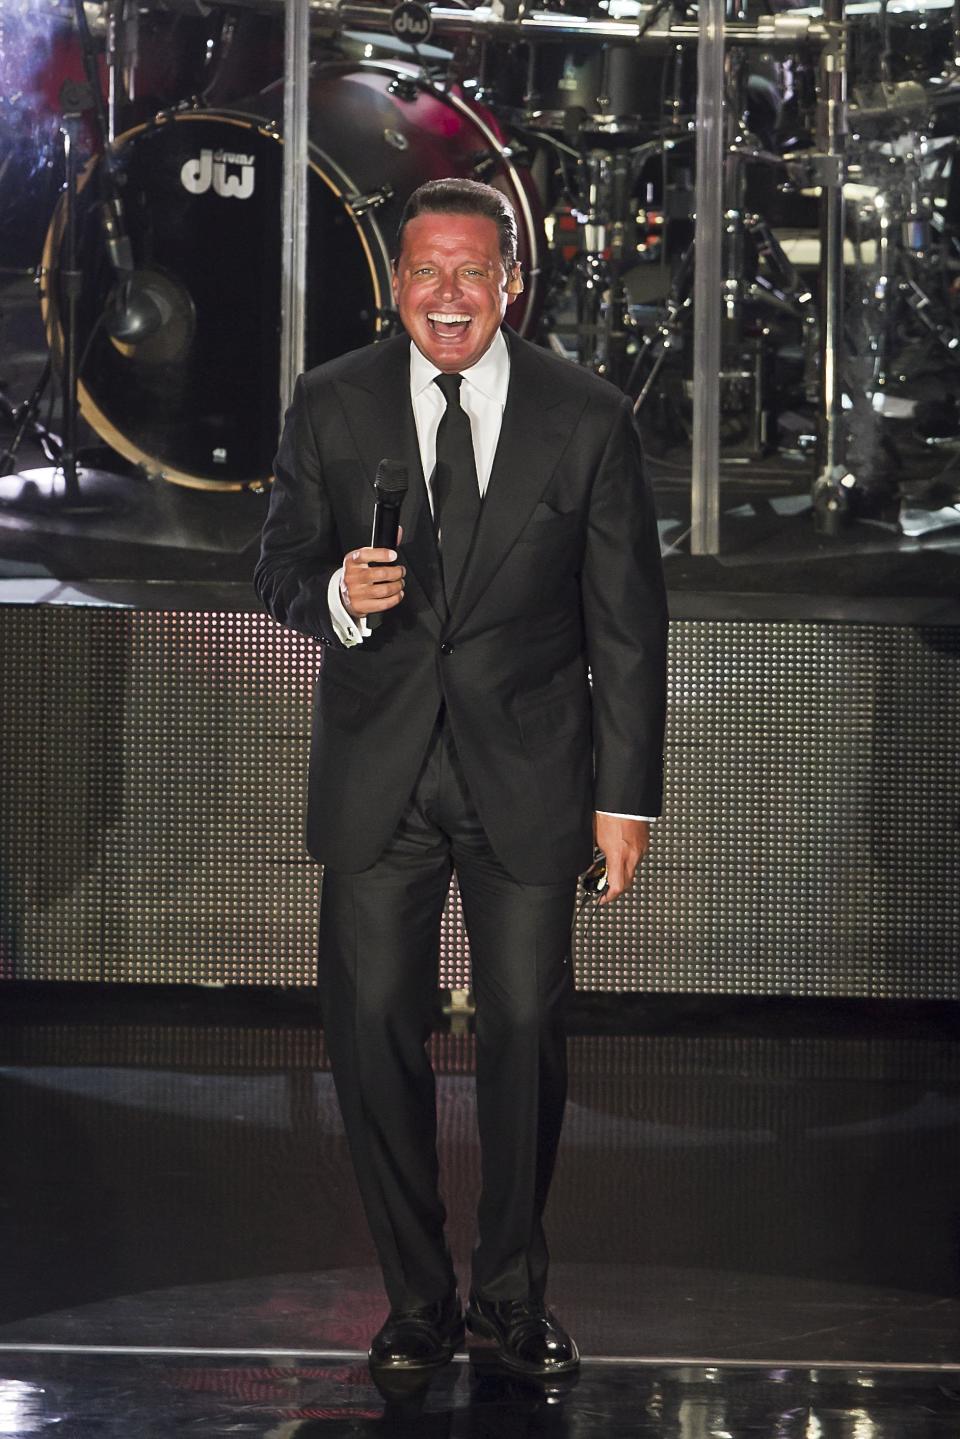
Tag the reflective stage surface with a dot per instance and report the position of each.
(106, 1397)
(772, 1189)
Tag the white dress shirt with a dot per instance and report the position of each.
(483, 395)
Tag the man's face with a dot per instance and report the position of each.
(451, 287)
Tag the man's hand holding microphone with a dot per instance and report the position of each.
(372, 581)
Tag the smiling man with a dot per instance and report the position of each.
(458, 731)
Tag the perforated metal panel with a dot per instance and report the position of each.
(153, 772)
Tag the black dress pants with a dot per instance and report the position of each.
(379, 961)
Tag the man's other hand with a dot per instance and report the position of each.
(371, 582)
(624, 843)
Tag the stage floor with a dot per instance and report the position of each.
(119, 1397)
(771, 1183)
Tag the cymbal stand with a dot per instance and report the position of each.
(832, 489)
(606, 186)
(740, 149)
(771, 281)
(902, 214)
(595, 288)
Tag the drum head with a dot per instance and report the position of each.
(192, 395)
(196, 399)
(383, 130)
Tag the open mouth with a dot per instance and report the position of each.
(450, 324)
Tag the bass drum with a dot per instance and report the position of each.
(195, 402)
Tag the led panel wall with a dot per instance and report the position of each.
(153, 767)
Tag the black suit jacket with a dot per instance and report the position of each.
(564, 575)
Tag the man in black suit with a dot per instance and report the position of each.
(456, 727)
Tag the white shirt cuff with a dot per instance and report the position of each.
(345, 627)
(615, 814)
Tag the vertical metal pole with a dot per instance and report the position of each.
(113, 67)
(707, 284)
(71, 280)
(831, 141)
(293, 249)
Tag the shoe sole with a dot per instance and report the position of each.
(482, 1330)
(408, 1366)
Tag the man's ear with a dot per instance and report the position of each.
(515, 282)
(395, 283)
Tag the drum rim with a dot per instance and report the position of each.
(476, 115)
(479, 116)
(50, 308)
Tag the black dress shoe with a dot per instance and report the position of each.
(529, 1339)
(417, 1339)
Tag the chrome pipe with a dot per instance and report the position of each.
(293, 250)
(785, 31)
(832, 126)
(707, 282)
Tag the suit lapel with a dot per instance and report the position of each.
(380, 418)
(535, 430)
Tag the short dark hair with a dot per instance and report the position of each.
(464, 197)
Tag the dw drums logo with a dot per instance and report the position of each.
(198, 176)
(411, 21)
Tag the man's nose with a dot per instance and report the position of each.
(450, 286)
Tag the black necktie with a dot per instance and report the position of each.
(456, 493)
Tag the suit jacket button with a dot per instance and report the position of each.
(446, 649)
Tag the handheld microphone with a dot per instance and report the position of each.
(390, 486)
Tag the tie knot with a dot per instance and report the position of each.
(449, 386)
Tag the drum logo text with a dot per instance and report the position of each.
(411, 21)
(197, 176)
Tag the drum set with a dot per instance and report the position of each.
(584, 115)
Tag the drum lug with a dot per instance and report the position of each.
(404, 88)
(360, 204)
(388, 323)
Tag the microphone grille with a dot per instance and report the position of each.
(391, 477)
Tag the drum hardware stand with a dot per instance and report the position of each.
(24, 420)
(58, 489)
(905, 221)
(741, 367)
(792, 298)
(667, 334)
(607, 183)
(832, 492)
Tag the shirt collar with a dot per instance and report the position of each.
(490, 375)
